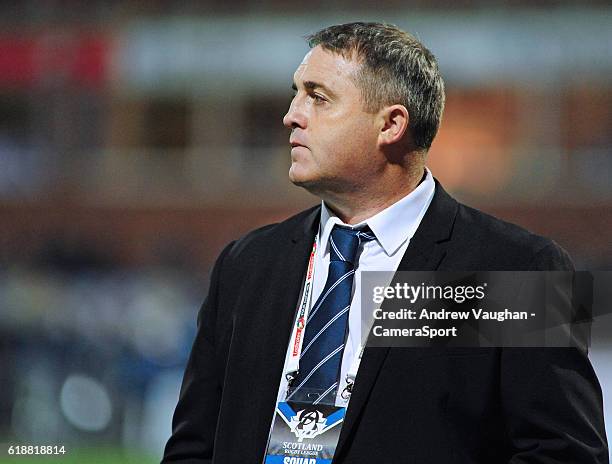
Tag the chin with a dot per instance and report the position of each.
(313, 182)
(299, 176)
(311, 185)
(307, 183)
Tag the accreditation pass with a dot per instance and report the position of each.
(303, 433)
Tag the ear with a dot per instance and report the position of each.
(394, 124)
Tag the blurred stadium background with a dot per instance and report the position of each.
(136, 138)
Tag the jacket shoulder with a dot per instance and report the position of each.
(506, 245)
(267, 236)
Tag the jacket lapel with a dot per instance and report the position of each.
(282, 290)
(291, 268)
(293, 252)
(425, 252)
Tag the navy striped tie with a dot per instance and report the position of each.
(326, 326)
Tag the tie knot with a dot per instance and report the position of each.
(344, 242)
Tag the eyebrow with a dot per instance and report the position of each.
(311, 85)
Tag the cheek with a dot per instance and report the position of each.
(359, 138)
(346, 131)
(344, 142)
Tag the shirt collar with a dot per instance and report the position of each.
(393, 225)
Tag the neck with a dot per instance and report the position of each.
(360, 205)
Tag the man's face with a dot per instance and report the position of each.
(333, 139)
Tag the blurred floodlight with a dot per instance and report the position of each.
(85, 403)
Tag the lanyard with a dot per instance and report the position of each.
(297, 334)
(352, 373)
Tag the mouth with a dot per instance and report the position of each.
(296, 144)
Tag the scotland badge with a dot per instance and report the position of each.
(304, 433)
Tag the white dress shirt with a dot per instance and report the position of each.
(393, 228)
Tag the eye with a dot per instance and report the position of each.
(318, 99)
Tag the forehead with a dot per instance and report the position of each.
(326, 67)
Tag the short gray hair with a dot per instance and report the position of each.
(396, 69)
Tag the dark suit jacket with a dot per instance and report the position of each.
(409, 405)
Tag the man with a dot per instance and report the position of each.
(368, 102)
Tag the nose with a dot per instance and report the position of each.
(295, 116)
